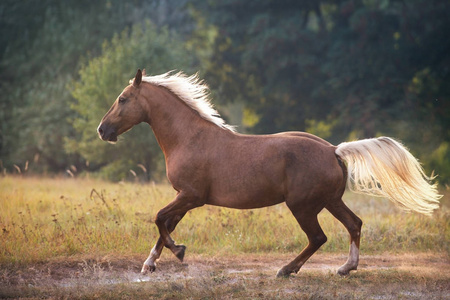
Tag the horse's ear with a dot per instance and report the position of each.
(138, 78)
(144, 73)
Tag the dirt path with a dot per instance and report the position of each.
(379, 276)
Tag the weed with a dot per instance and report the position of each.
(43, 218)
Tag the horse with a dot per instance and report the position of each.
(209, 163)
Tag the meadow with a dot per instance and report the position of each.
(48, 220)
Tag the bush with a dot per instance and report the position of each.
(103, 78)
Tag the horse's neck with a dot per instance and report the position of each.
(174, 124)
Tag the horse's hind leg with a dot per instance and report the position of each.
(310, 225)
(353, 225)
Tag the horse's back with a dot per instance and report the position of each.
(305, 135)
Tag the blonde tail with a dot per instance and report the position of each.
(384, 167)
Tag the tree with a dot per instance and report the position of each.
(101, 80)
(41, 46)
(39, 57)
(345, 69)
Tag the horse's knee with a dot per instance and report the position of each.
(160, 220)
(359, 223)
(355, 230)
(318, 240)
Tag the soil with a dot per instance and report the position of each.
(109, 271)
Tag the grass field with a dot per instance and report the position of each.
(76, 223)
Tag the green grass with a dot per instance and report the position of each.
(43, 218)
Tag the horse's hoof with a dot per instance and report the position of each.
(283, 273)
(144, 270)
(179, 252)
(342, 271)
(147, 268)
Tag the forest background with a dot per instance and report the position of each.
(342, 70)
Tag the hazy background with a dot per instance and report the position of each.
(342, 70)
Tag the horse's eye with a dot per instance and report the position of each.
(122, 100)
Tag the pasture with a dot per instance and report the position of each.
(85, 238)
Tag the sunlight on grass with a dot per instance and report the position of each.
(42, 218)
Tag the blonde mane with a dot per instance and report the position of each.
(192, 91)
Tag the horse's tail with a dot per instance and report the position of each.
(384, 167)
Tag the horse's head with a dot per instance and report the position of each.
(124, 113)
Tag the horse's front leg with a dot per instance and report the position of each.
(166, 220)
(155, 253)
(150, 262)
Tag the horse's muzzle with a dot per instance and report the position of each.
(107, 133)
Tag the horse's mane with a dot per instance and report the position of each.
(191, 90)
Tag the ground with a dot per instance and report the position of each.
(243, 276)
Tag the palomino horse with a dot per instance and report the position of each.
(207, 162)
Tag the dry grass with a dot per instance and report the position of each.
(45, 218)
(72, 238)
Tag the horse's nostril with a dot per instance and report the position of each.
(101, 132)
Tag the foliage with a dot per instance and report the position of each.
(44, 43)
(342, 69)
(101, 81)
(358, 68)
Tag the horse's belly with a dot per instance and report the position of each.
(242, 203)
(245, 194)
